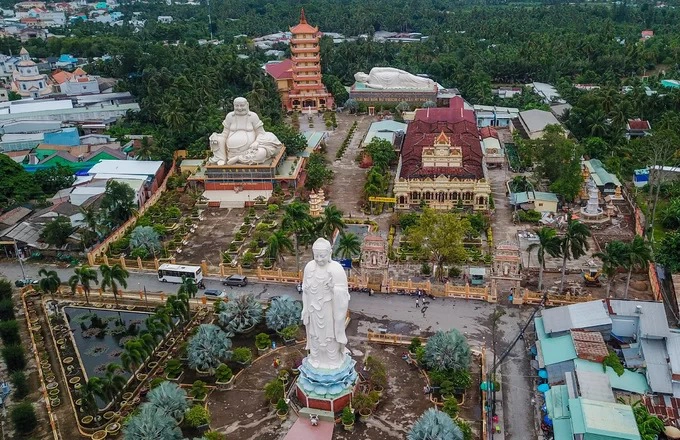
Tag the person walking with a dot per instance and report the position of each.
(417, 303)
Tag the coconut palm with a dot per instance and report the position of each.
(277, 243)
(548, 242)
(112, 383)
(49, 282)
(151, 422)
(296, 220)
(434, 425)
(573, 244)
(613, 257)
(84, 275)
(134, 353)
(348, 246)
(208, 348)
(112, 276)
(169, 397)
(177, 307)
(638, 256)
(88, 393)
(330, 220)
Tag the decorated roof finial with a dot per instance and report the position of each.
(303, 19)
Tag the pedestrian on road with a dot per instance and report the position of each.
(417, 303)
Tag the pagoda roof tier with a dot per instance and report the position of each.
(297, 59)
(303, 27)
(323, 94)
(297, 86)
(304, 40)
(297, 68)
(297, 49)
(316, 76)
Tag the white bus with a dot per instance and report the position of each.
(173, 273)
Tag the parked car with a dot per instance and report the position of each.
(235, 280)
(26, 282)
(215, 293)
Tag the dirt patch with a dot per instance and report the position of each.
(213, 235)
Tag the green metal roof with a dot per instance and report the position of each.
(556, 350)
(629, 381)
(557, 402)
(562, 429)
(599, 174)
(603, 420)
(540, 330)
(530, 196)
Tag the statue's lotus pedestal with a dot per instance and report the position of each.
(324, 389)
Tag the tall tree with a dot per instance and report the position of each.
(573, 244)
(330, 220)
(298, 221)
(277, 243)
(57, 232)
(112, 276)
(83, 275)
(349, 245)
(118, 203)
(49, 282)
(548, 242)
(613, 258)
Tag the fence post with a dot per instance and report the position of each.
(155, 263)
(239, 269)
(467, 290)
(222, 270)
(139, 263)
(106, 259)
(122, 262)
(204, 267)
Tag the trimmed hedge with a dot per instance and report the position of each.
(9, 332)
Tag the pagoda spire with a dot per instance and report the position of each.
(303, 19)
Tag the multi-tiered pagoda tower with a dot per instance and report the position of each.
(307, 92)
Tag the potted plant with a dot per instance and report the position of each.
(273, 390)
(282, 409)
(199, 391)
(183, 351)
(242, 355)
(364, 403)
(224, 377)
(198, 417)
(294, 362)
(262, 342)
(173, 370)
(446, 390)
(348, 419)
(288, 334)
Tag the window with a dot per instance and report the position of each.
(23, 87)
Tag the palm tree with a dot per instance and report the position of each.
(112, 276)
(296, 219)
(188, 287)
(49, 282)
(548, 242)
(330, 220)
(638, 256)
(349, 245)
(90, 225)
(112, 383)
(177, 307)
(134, 354)
(88, 393)
(613, 258)
(277, 243)
(84, 275)
(573, 244)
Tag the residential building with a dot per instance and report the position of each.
(547, 92)
(307, 91)
(93, 108)
(493, 150)
(493, 116)
(152, 172)
(507, 92)
(535, 200)
(636, 128)
(441, 162)
(389, 130)
(560, 110)
(165, 19)
(7, 67)
(532, 123)
(27, 81)
(646, 35)
(76, 83)
(4, 96)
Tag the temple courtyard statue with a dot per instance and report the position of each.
(385, 78)
(243, 139)
(327, 375)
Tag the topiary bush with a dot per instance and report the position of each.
(197, 416)
(451, 408)
(23, 417)
(20, 385)
(283, 312)
(435, 425)
(262, 341)
(447, 351)
(14, 358)
(5, 289)
(9, 332)
(242, 355)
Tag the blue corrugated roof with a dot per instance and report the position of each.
(562, 429)
(556, 350)
(66, 136)
(629, 381)
(603, 420)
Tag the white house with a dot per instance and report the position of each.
(165, 19)
(27, 81)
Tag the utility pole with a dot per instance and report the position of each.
(21, 263)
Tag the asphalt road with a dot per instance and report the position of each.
(469, 317)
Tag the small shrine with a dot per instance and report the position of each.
(507, 260)
(316, 201)
(374, 253)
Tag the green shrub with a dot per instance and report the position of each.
(5, 289)
(9, 332)
(6, 310)
(612, 360)
(242, 355)
(465, 428)
(223, 373)
(282, 406)
(23, 417)
(20, 385)
(413, 346)
(425, 269)
(347, 416)
(173, 369)
(262, 341)
(14, 357)
(530, 216)
(273, 390)
(197, 416)
(199, 389)
(155, 382)
(214, 435)
(454, 272)
(451, 408)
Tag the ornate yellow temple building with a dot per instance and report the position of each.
(441, 163)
